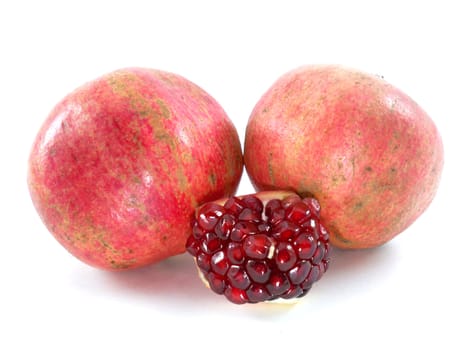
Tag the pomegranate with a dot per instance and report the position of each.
(370, 155)
(260, 247)
(121, 163)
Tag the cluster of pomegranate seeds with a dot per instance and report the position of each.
(252, 252)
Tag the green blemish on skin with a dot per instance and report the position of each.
(358, 206)
(165, 112)
(212, 179)
(270, 169)
(181, 178)
(338, 235)
(122, 265)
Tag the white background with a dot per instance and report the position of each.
(409, 293)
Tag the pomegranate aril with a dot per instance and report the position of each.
(305, 246)
(209, 215)
(313, 204)
(242, 229)
(324, 233)
(197, 231)
(322, 269)
(220, 263)
(192, 245)
(257, 246)
(319, 253)
(285, 256)
(276, 216)
(235, 295)
(272, 206)
(263, 227)
(293, 292)
(224, 226)
(311, 224)
(298, 212)
(211, 243)
(248, 214)
(313, 276)
(259, 271)
(216, 283)
(203, 261)
(291, 200)
(285, 230)
(235, 253)
(278, 284)
(257, 293)
(234, 205)
(253, 203)
(325, 263)
(238, 277)
(299, 272)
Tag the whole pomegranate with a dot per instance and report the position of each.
(369, 154)
(121, 163)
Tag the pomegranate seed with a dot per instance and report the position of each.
(224, 226)
(235, 253)
(324, 233)
(305, 246)
(259, 271)
(234, 205)
(235, 295)
(253, 203)
(298, 212)
(278, 284)
(211, 243)
(242, 229)
(325, 263)
(220, 263)
(272, 206)
(285, 256)
(198, 232)
(277, 216)
(257, 293)
(248, 214)
(209, 214)
(285, 230)
(238, 277)
(216, 283)
(311, 224)
(299, 272)
(314, 273)
(319, 253)
(264, 227)
(313, 204)
(192, 245)
(251, 252)
(257, 246)
(293, 292)
(291, 200)
(204, 261)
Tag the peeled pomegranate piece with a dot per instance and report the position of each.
(260, 247)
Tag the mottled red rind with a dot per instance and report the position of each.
(370, 155)
(120, 164)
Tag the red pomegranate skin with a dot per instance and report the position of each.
(370, 155)
(120, 164)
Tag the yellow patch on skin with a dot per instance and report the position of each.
(124, 85)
